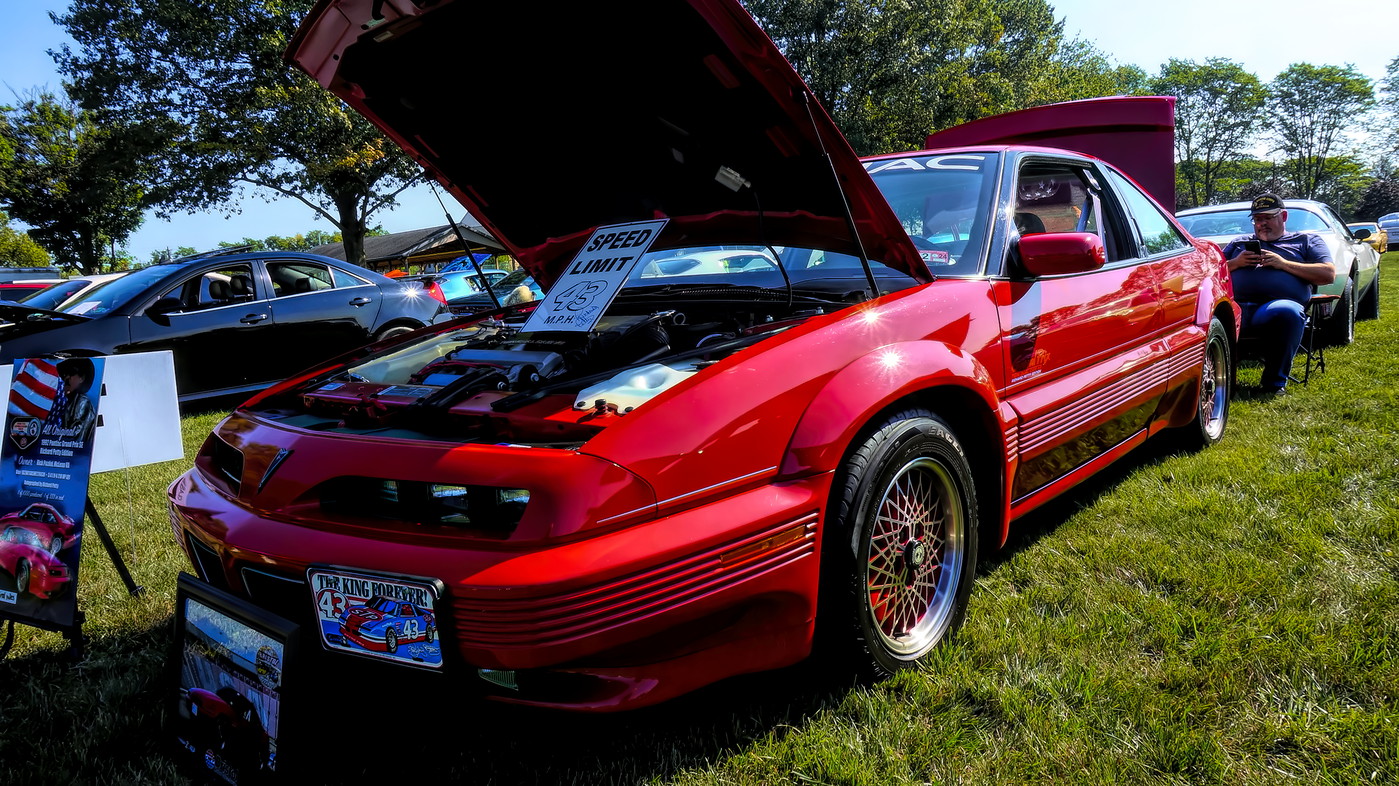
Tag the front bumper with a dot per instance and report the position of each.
(620, 619)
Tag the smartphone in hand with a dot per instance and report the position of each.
(1252, 246)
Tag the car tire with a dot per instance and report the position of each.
(1216, 389)
(431, 634)
(901, 555)
(22, 577)
(391, 640)
(1369, 306)
(56, 545)
(391, 332)
(1338, 330)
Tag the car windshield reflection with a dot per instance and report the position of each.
(113, 294)
(942, 200)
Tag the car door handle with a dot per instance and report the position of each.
(253, 319)
(361, 301)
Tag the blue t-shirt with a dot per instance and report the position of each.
(1264, 284)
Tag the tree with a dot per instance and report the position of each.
(211, 73)
(80, 184)
(1218, 106)
(1079, 70)
(1381, 197)
(1312, 109)
(889, 72)
(1389, 100)
(1344, 184)
(18, 249)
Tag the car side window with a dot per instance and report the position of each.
(343, 279)
(1337, 225)
(298, 278)
(1157, 234)
(211, 289)
(1299, 220)
(1062, 196)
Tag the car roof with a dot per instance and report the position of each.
(242, 254)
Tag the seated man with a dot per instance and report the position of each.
(1274, 274)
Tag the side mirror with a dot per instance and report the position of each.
(166, 305)
(1057, 253)
(1361, 234)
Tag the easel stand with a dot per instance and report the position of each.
(74, 632)
(132, 587)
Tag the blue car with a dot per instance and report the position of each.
(382, 624)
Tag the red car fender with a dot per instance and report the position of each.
(1217, 291)
(857, 394)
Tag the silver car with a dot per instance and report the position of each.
(1357, 262)
(1389, 222)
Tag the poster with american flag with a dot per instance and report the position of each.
(49, 424)
(32, 395)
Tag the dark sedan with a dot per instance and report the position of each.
(235, 321)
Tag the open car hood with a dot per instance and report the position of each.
(604, 113)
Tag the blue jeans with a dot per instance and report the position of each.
(1277, 326)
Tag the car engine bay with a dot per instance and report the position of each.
(490, 381)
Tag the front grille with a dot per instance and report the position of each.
(483, 511)
(285, 596)
(206, 563)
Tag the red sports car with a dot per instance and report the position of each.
(36, 570)
(660, 475)
(56, 530)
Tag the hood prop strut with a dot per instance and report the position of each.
(776, 257)
(466, 247)
(845, 203)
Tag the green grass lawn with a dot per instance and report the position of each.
(1230, 616)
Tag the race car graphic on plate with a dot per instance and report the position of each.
(383, 617)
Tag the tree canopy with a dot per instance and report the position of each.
(210, 75)
(79, 183)
(1311, 111)
(1389, 100)
(18, 249)
(890, 72)
(1218, 108)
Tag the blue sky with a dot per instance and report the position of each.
(1265, 37)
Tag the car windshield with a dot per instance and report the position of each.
(24, 536)
(515, 278)
(1237, 222)
(113, 294)
(810, 271)
(382, 604)
(942, 202)
(51, 297)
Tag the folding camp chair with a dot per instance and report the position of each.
(1313, 346)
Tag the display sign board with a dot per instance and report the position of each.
(140, 419)
(578, 299)
(49, 424)
(233, 659)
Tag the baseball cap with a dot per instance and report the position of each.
(1266, 204)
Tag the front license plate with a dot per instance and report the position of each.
(390, 618)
